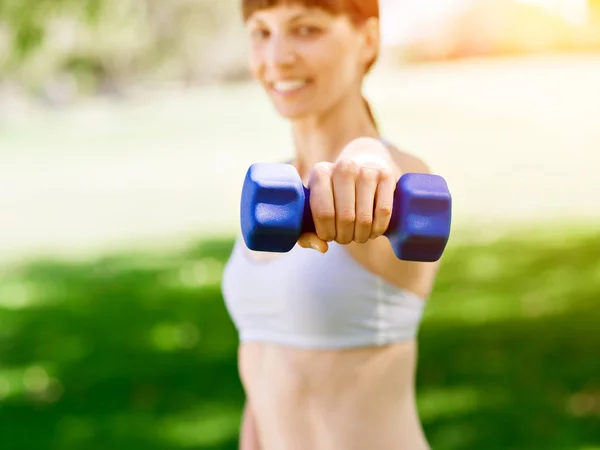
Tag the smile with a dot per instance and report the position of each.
(289, 87)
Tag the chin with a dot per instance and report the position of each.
(293, 113)
(298, 110)
(294, 109)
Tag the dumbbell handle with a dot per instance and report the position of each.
(308, 223)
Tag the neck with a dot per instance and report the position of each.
(323, 137)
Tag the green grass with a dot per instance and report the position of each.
(136, 351)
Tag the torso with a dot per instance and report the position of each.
(331, 399)
(350, 397)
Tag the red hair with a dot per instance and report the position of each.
(357, 10)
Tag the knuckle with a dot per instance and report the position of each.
(346, 217)
(324, 215)
(343, 239)
(385, 173)
(369, 174)
(346, 168)
(327, 234)
(364, 219)
(375, 234)
(322, 166)
(321, 171)
(378, 230)
(363, 239)
(385, 209)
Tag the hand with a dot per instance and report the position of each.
(352, 199)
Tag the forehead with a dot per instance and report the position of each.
(283, 8)
(291, 11)
(332, 6)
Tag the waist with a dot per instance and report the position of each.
(326, 375)
(326, 399)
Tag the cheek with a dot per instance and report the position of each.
(255, 63)
(330, 62)
(339, 69)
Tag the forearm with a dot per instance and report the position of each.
(248, 433)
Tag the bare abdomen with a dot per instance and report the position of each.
(322, 400)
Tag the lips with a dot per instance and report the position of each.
(289, 87)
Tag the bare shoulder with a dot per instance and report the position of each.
(406, 161)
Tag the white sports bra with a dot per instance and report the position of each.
(308, 299)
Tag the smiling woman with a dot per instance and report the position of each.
(328, 337)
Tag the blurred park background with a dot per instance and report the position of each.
(124, 140)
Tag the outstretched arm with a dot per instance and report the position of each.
(351, 201)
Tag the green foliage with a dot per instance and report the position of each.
(27, 19)
(137, 351)
(100, 44)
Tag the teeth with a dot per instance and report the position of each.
(287, 86)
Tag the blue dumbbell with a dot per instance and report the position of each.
(275, 211)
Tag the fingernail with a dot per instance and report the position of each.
(316, 247)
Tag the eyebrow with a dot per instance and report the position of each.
(297, 17)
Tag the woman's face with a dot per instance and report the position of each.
(307, 59)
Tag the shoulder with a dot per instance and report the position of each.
(378, 149)
(405, 161)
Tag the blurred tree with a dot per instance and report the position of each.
(104, 45)
(27, 19)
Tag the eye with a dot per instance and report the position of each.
(259, 34)
(307, 31)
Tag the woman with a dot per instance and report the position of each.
(328, 352)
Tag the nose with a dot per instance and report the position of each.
(280, 51)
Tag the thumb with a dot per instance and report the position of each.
(311, 240)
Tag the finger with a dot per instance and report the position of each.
(366, 187)
(311, 240)
(322, 204)
(384, 203)
(344, 178)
